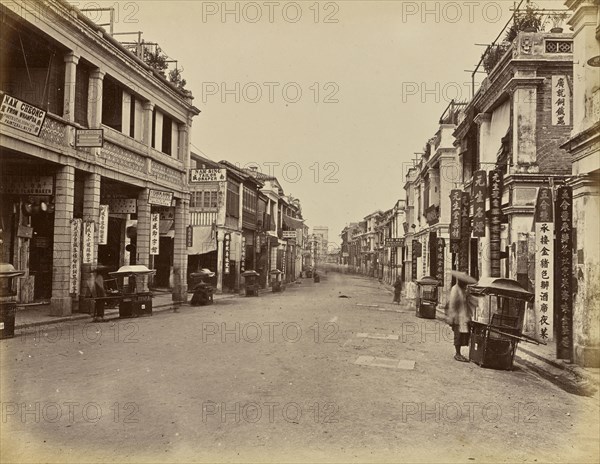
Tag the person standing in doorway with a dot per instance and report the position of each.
(397, 290)
(459, 312)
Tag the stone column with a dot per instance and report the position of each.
(61, 302)
(524, 119)
(143, 236)
(147, 123)
(180, 257)
(91, 210)
(95, 98)
(71, 60)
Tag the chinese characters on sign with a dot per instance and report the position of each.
(439, 273)
(283, 263)
(495, 192)
(189, 236)
(564, 262)
(27, 185)
(561, 101)
(243, 257)
(465, 232)
(154, 233)
(415, 246)
(455, 219)
(479, 192)
(74, 267)
(88, 242)
(226, 253)
(544, 264)
(103, 225)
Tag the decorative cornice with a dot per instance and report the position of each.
(519, 82)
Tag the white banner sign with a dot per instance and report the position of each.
(160, 197)
(75, 258)
(207, 175)
(544, 279)
(154, 233)
(21, 116)
(103, 225)
(289, 234)
(88, 242)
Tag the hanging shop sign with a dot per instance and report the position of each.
(439, 269)
(563, 289)
(21, 116)
(154, 233)
(544, 264)
(243, 257)
(394, 242)
(455, 219)
(495, 194)
(289, 234)
(160, 197)
(415, 246)
(226, 253)
(88, 242)
(465, 232)
(27, 185)
(207, 175)
(103, 225)
(283, 261)
(122, 205)
(89, 138)
(479, 194)
(189, 236)
(561, 101)
(74, 262)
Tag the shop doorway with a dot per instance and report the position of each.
(40, 254)
(110, 254)
(163, 263)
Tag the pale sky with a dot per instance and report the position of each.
(373, 86)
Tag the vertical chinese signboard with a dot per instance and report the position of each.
(563, 292)
(243, 257)
(465, 232)
(479, 193)
(455, 219)
(544, 264)
(88, 242)
(103, 225)
(74, 266)
(226, 253)
(495, 192)
(561, 101)
(154, 233)
(415, 251)
(283, 260)
(439, 271)
(189, 236)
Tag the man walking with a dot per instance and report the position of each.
(459, 312)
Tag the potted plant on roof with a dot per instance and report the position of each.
(557, 21)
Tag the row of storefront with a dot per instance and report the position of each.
(508, 187)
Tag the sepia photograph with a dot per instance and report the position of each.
(304, 231)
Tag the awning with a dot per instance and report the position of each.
(203, 241)
(292, 223)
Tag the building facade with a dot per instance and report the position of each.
(94, 156)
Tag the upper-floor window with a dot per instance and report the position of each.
(207, 199)
(233, 199)
(32, 67)
(250, 199)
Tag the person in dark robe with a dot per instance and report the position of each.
(397, 290)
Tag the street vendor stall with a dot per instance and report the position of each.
(133, 303)
(8, 305)
(251, 282)
(427, 297)
(276, 275)
(202, 291)
(496, 328)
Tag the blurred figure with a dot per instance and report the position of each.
(397, 290)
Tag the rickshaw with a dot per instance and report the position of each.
(251, 281)
(496, 328)
(427, 297)
(276, 284)
(133, 303)
(202, 292)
